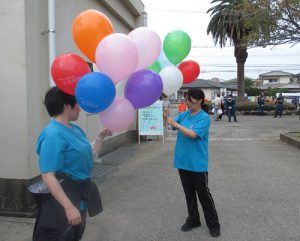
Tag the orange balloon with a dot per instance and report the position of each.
(89, 28)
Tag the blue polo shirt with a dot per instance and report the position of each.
(65, 149)
(192, 154)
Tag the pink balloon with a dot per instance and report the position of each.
(119, 115)
(148, 44)
(117, 56)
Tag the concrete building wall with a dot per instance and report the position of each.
(13, 91)
(24, 78)
(279, 80)
(285, 80)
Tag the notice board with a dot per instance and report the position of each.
(151, 120)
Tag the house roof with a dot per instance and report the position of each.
(280, 86)
(202, 83)
(230, 85)
(234, 80)
(276, 73)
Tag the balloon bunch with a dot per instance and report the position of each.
(117, 57)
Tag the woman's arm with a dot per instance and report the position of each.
(187, 132)
(72, 213)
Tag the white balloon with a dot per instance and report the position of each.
(95, 68)
(120, 88)
(172, 79)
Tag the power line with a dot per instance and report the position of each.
(249, 56)
(217, 47)
(176, 11)
(251, 70)
(253, 65)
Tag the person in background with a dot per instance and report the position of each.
(231, 108)
(191, 160)
(181, 106)
(295, 102)
(279, 105)
(222, 99)
(261, 103)
(65, 162)
(217, 106)
(166, 109)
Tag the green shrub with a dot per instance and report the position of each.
(253, 106)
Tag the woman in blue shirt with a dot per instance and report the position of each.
(191, 159)
(64, 151)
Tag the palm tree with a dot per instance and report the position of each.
(228, 22)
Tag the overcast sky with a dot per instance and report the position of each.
(165, 16)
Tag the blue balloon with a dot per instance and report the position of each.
(94, 92)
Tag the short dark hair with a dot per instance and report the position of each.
(198, 94)
(55, 99)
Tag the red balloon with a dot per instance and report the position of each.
(66, 70)
(190, 70)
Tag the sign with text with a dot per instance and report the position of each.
(151, 119)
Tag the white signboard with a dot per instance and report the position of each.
(151, 120)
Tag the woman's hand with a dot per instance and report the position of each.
(97, 144)
(104, 133)
(73, 215)
(171, 121)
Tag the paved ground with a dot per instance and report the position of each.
(254, 179)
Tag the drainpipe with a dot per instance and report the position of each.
(51, 37)
(145, 19)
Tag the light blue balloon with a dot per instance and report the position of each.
(163, 60)
(94, 92)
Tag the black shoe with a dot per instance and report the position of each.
(189, 226)
(214, 232)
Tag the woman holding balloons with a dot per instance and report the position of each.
(191, 159)
(65, 161)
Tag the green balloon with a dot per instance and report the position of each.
(155, 67)
(177, 45)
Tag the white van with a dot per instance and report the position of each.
(290, 96)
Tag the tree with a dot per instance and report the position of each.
(273, 22)
(250, 89)
(273, 91)
(228, 23)
(248, 83)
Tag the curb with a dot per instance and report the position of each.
(290, 140)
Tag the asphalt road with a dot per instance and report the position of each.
(253, 177)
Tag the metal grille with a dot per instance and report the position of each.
(111, 161)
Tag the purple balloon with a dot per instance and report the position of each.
(143, 88)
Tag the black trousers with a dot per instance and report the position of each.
(196, 183)
(52, 224)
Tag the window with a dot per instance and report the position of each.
(273, 81)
